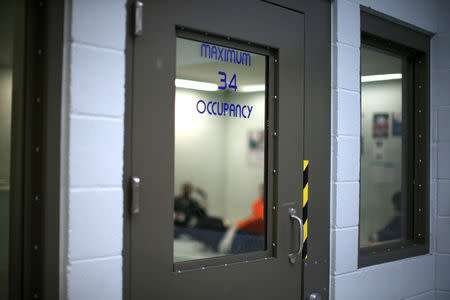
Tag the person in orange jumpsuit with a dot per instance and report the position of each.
(255, 223)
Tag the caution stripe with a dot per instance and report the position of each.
(305, 208)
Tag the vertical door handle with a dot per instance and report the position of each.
(135, 191)
(293, 256)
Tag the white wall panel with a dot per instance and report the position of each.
(93, 122)
(97, 81)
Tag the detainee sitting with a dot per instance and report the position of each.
(393, 230)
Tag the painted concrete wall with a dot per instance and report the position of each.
(422, 277)
(440, 95)
(93, 135)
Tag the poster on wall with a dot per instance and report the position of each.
(256, 147)
(380, 127)
(396, 123)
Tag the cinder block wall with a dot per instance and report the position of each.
(93, 124)
(422, 277)
(440, 91)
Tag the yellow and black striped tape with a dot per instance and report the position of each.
(305, 208)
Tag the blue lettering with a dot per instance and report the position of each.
(207, 108)
(250, 108)
(243, 111)
(218, 110)
(207, 51)
(247, 56)
(213, 52)
(232, 110)
(224, 80)
(239, 58)
(240, 110)
(230, 55)
(204, 106)
(220, 54)
(225, 108)
(224, 54)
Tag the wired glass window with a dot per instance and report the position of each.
(383, 206)
(220, 111)
(394, 155)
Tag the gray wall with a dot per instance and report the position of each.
(440, 149)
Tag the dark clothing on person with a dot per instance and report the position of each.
(189, 207)
(392, 231)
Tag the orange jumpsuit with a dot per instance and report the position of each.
(254, 223)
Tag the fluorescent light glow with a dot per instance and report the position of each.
(381, 77)
(195, 85)
(252, 88)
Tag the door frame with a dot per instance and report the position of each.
(317, 137)
(34, 263)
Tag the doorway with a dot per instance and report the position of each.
(216, 149)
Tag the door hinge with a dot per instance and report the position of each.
(138, 14)
(135, 205)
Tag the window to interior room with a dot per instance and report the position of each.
(6, 72)
(222, 127)
(394, 139)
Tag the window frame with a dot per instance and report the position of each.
(35, 260)
(385, 35)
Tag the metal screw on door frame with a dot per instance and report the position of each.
(315, 296)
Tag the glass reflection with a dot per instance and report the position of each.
(219, 151)
(382, 203)
(6, 72)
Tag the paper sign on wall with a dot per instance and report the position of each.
(380, 127)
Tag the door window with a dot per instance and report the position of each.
(220, 142)
(6, 53)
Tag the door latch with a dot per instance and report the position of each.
(138, 14)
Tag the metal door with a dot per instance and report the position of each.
(263, 31)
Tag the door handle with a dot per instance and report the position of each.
(135, 191)
(293, 256)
